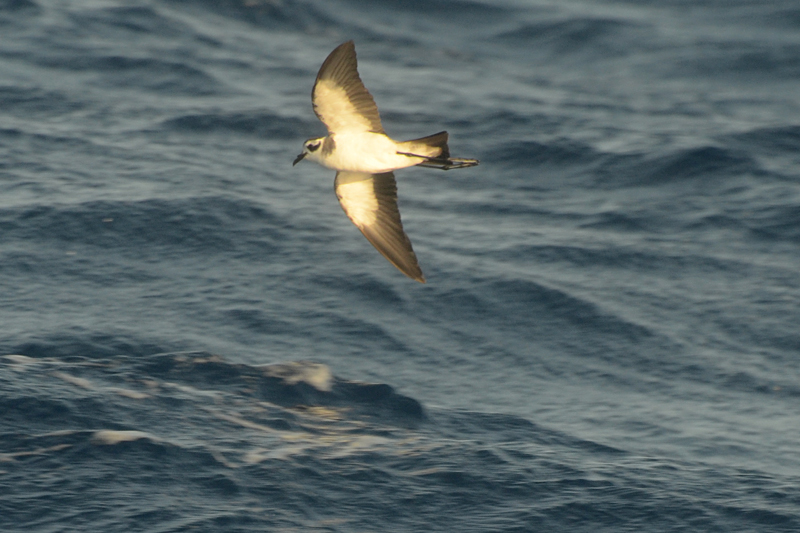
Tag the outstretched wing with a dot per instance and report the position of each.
(370, 201)
(340, 99)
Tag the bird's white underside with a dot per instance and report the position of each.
(336, 110)
(363, 151)
(359, 201)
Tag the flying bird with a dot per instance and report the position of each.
(364, 157)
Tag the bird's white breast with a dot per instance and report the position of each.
(365, 152)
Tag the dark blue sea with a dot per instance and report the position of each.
(195, 338)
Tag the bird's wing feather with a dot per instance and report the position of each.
(370, 201)
(340, 99)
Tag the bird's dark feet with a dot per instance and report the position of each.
(443, 163)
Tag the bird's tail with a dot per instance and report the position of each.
(435, 152)
(429, 147)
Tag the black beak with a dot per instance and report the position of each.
(298, 158)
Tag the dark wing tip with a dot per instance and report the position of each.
(339, 58)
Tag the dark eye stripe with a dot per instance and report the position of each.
(313, 147)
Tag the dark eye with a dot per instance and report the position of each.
(313, 147)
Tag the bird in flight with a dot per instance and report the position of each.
(364, 157)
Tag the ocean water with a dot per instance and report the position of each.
(193, 337)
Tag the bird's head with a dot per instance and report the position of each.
(311, 149)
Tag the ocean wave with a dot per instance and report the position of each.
(17, 6)
(701, 163)
(31, 101)
(534, 154)
(772, 139)
(745, 60)
(703, 166)
(283, 15)
(78, 344)
(243, 446)
(589, 37)
(203, 224)
(780, 223)
(146, 73)
(78, 383)
(706, 166)
(559, 305)
(256, 123)
(140, 20)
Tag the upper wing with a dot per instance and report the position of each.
(340, 99)
(370, 201)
